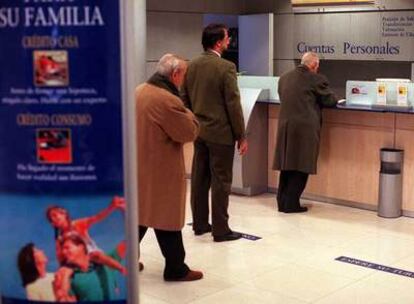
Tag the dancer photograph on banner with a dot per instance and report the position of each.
(60, 219)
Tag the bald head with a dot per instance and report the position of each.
(170, 63)
(311, 60)
(173, 67)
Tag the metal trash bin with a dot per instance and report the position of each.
(390, 183)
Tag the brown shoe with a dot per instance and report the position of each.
(192, 275)
(140, 266)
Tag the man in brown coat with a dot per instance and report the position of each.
(164, 125)
(303, 92)
(210, 90)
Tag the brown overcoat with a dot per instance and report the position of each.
(302, 96)
(164, 124)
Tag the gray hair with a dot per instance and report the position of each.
(309, 57)
(170, 63)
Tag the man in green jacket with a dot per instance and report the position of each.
(210, 90)
(303, 92)
(81, 279)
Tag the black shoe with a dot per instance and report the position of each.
(192, 275)
(231, 236)
(280, 206)
(296, 210)
(201, 232)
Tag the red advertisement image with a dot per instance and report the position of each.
(50, 68)
(54, 146)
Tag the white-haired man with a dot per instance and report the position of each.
(164, 125)
(303, 92)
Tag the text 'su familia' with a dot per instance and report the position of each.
(41, 16)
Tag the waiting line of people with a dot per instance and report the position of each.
(200, 103)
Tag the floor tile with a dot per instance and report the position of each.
(300, 282)
(293, 263)
(245, 294)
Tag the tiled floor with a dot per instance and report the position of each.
(293, 263)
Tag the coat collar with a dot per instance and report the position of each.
(303, 68)
(211, 53)
(163, 82)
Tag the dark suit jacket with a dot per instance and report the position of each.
(210, 90)
(302, 95)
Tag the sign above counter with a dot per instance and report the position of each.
(356, 36)
(329, 2)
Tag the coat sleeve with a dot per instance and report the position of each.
(179, 123)
(232, 103)
(325, 96)
(184, 94)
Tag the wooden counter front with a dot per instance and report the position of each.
(349, 158)
(404, 139)
(188, 157)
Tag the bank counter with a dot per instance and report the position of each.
(351, 138)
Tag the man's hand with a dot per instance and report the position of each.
(61, 285)
(242, 146)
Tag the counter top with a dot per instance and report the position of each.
(356, 107)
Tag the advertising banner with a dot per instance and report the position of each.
(61, 177)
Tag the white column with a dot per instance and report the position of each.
(133, 19)
(412, 71)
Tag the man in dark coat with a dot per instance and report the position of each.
(210, 90)
(303, 92)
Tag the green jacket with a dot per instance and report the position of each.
(98, 283)
(302, 96)
(210, 90)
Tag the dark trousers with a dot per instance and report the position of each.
(172, 248)
(212, 167)
(291, 186)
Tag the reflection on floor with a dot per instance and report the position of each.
(294, 262)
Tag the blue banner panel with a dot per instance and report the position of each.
(61, 174)
(17, 301)
(60, 96)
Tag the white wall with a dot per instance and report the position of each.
(175, 26)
